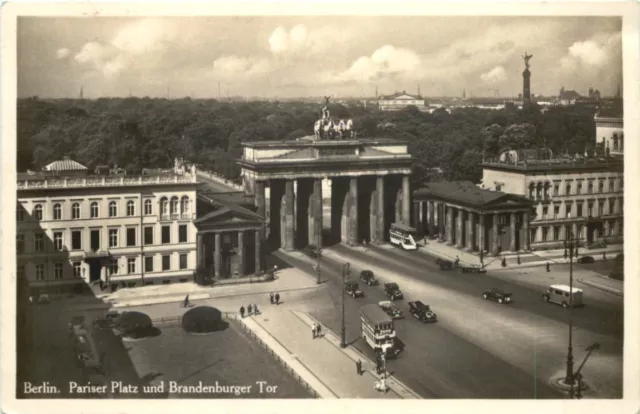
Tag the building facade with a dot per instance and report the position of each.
(76, 228)
(610, 133)
(400, 101)
(471, 218)
(583, 196)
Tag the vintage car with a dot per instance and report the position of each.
(497, 295)
(390, 309)
(472, 269)
(586, 259)
(392, 291)
(353, 290)
(422, 312)
(444, 264)
(367, 277)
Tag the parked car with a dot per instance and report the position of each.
(422, 312)
(390, 309)
(353, 290)
(396, 349)
(367, 277)
(586, 259)
(392, 291)
(563, 295)
(498, 295)
(444, 264)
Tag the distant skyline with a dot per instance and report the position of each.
(289, 57)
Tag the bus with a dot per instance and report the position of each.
(377, 329)
(403, 236)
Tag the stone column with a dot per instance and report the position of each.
(406, 201)
(259, 199)
(417, 208)
(379, 234)
(317, 217)
(258, 252)
(352, 227)
(482, 233)
(289, 216)
(514, 233)
(241, 249)
(471, 227)
(217, 256)
(574, 230)
(431, 218)
(525, 230)
(494, 244)
(460, 229)
(449, 230)
(200, 247)
(442, 221)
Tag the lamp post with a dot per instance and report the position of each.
(318, 253)
(571, 244)
(343, 330)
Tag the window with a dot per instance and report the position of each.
(113, 237)
(39, 243)
(579, 209)
(601, 207)
(164, 206)
(131, 208)
(545, 232)
(148, 236)
(184, 204)
(556, 211)
(590, 209)
(37, 212)
(166, 234)
(568, 190)
(57, 240)
(545, 211)
(590, 187)
(113, 209)
(19, 213)
(131, 265)
(20, 243)
(94, 210)
(612, 185)
(539, 192)
(39, 272)
(174, 205)
(76, 240)
(148, 207)
(57, 212)
(20, 272)
(166, 262)
(532, 191)
(612, 206)
(77, 270)
(95, 240)
(601, 186)
(556, 190)
(546, 191)
(556, 233)
(568, 207)
(57, 271)
(113, 267)
(75, 211)
(148, 264)
(131, 236)
(621, 184)
(182, 233)
(621, 204)
(183, 261)
(579, 189)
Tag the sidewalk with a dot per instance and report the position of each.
(330, 370)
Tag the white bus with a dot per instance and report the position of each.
(403, 236)
(377, 329)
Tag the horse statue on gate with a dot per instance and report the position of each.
(317, 128)
(349, 129)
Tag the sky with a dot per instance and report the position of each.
(304, 56)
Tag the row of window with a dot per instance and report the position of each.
(112, 267)
(580, 209)
(167, 207)
(96, 237)
(553, 233)
(541, 190)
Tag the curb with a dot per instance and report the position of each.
(601, 287)
(394, 384)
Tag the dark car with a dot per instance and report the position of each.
(353, 290)
(367, 277)
(498, 295)
(586, 259)
(422, 312)
(444, 264)
(396, 349)
(390, 309)
(392, 291)
(311, 251)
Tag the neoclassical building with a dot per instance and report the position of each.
(472, 218)
(579, 195)
(610, 131)
(75, 227)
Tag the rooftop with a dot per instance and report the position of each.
(576, 162)
(66, 164)
(465, 192)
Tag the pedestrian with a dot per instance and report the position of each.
(519, 262)
(318, 329)
(186, 301)
(249, 309)
(314, 330)
(277, 298)
(271, 298)
(255, 309)
(504, 262)
(604, 255)
(548, 267)
(359, 367)
(242, 311)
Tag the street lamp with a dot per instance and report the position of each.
(318, 253)
(343, 331)
(572, 245)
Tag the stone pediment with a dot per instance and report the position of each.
(228, 216)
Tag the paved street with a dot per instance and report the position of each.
(510, 345)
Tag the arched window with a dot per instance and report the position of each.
(131, 208)
(539, 191)
(579, 188)
(95, 211)
(75, 211)
(37, 212)
(615, 142)
(546, 190)
(113, 209)
(164, 206)
(174, 205)
(590, 188)
(148, 207)
(57, 212)
(184, 204)
(532, 191)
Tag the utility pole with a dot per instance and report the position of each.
(319, 252)
(569, 378)
(343, 330)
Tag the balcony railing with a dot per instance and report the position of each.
(79, 182)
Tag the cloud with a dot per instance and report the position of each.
(596, 52)
(101, 57)
(495, 75)
(234, 66)
(387, 61)
(62, 53)
(301, 40)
